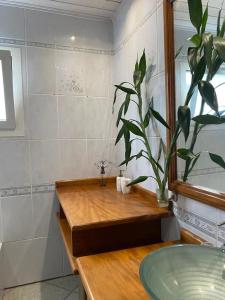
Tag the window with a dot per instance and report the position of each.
(11, 91)
(183, 81)
(7, 111)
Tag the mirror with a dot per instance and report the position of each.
(202, 164)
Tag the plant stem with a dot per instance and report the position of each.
(146, 142)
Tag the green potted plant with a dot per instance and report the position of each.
(206, 55)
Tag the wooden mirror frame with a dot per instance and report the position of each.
(206, 196)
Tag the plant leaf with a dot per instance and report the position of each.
(218, 22)
(116, 90)
(195, 12)
(184, 119)
(126, 161)
(132, 128)
(126, 103)
(208, 94)
(157, 165)
(196, 40)
(209, 120)
(217, 159)
(147, 118)
(139, 155)
(219, 45)
(222, 30)
(205, 19)
(194, 161)
(126, 90)
(159, 118)
(138, 180)
(120, 134)
(120, 114)
(208, 47)
(192, 58)
(199, 71)
(142, 66)
(137, 74)
(185, 154)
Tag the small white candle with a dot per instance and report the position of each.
(124, 182)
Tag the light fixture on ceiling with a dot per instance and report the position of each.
(73, 38)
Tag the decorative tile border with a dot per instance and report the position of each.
(203, 225)
(27, 190)
(54, 46)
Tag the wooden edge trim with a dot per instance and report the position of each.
(170, 78)
(85, 181)
(143, 191)
(72, 259)
(208, 197)
(190, 238)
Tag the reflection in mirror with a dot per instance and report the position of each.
(200, 82)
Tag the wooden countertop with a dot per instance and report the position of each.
(115, 275)
(87, 205)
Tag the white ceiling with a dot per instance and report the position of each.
(102, 8)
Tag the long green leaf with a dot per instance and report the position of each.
(219, 45)
(192, 58)
(195, 12)
(132, 128)
(142, 66)
(217, 159)
(120, 134)
(185, 154)
(194, 161)
(126, 90)
(120, 114)
(116, 90)
(218, 22)
(208, 94)
(209, 120)
(159, 117)
(184, 119)
(138, 180)
(126, 161)
(205, 19)
(222, 30)
(127, 103)
(199, 71)
(178, 51)
(208, 47)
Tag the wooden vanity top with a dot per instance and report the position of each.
(88, 205)
(115, 275)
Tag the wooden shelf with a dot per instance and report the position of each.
(66, 235)
(99, 219)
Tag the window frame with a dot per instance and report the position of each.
(7, 73)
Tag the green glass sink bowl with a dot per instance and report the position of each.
(184, 272)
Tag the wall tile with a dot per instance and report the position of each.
(74, 159)
(45, 206)
(14, 164)
(45, 160)
(31, 261)
(41, 70)
(99, 116)
(100, 150)
(17, 218)
(72, 117)
(160, 39)
(12, 24)
(70, 70)
(40, 26)
(42, 117)
(97, 75)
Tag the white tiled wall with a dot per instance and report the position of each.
(68, 127)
